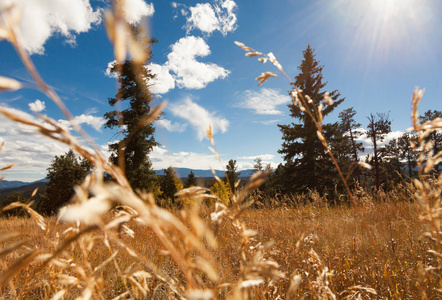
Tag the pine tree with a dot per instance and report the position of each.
(378, 127)
(231, 174)
(132, 152)
(307, 164)
(390, 164)
(65, 172)
(348, 127)
(258, 165)
(170, 184)
(191, 180)
(435, 136)
(406, 152)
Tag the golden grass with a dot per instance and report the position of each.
(388, 259)
(388, 248)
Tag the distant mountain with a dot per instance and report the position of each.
(184, 172)
(5, 184)
(41, 185)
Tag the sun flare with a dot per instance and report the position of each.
(384, 27)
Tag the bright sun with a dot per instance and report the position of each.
(384, 26)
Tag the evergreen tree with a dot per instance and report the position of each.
(132, 152)
(436, 135)
(65, 172)
(378, 127)
(258, 165)
(191, 180)
(391, 168)
(406, 152)
(170, 184)
(307, 164)
(231, 174)
(348, 127)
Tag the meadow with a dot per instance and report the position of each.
(372, 251)
(114, 242)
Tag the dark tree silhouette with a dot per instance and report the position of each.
(232, 175)
(65, 172)
(436, 135)
(191, 180)
(378, 126)
(349, 127)
(131, 154)
(307, 164)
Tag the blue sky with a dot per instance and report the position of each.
(373, 51)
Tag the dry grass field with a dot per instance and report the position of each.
(376, 250)
(112, 242)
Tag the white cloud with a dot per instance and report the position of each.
(137, 9)
(108, 71)
(41, 19)
(267, 122)
(367, 143)
(189, 73)
(264, 102)
(162, 158)
(95, 122)
(28, 150)
(37, 106)
(169, 126)
(262, 156)
(208, 18)
(203, 17)
(163, 81)
(198, 117)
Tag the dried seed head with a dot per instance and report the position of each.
(264, 77)
(253, 53)
(9, 84)
(244, 47)
(364, 165)
(322, 138)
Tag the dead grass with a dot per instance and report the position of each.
(380, 246)
(383, 252)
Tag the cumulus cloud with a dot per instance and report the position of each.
(94, 121)
(137, 9)
(28, 150)
(41, 19)
(37, 106)
(368, 145)
(189, 73)
(186, 71)
(109, 72)
(171, 126)
(203, 17)
(262, 156)
(162, 158)
(198, 117)
(264, 101)
(163, 81)
(210, 17)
